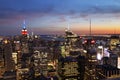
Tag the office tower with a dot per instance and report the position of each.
(2, 68)
(68, 68)
(113, 60)
(90, 69)
(24, 30)
(24, 39)
(81, 66)
(9, 63)
(114, 40)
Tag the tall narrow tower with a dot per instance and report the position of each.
(90, 27)
(24, 30)
(24, 39)
(9, 64)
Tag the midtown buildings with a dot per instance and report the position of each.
(55, 57)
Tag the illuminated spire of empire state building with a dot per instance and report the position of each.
(24, 30)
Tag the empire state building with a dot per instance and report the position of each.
(24, 30)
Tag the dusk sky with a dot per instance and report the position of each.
(53, 16)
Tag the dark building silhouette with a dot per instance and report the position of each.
(9, 63)
(81, 66)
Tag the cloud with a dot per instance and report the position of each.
(62, 19)
(106, 9)
(55, 11)
(13, 13)
(10, 30)
(101, 11)
(42, 8)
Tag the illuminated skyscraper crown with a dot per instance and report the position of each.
(24, 25)
(24, 30)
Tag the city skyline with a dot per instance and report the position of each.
(53, 16)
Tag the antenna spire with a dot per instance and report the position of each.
(90, 27)
(68, 23)
(24, 30)
(114, 30)
(24, 24)
(68, 26)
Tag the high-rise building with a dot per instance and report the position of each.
(113, 60)
(68, 68)
(90, 69)
(24, 30)
(114, 40)
(24, 39)
(40, 62)
(68, 63)
(9, 63)
(2, 68)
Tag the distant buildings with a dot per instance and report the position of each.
(114, 41)
(68, 68)
(64, 57)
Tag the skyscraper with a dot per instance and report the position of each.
(24, 30)
(9, 63)
(24, 39)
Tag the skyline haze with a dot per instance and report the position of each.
(53, 16)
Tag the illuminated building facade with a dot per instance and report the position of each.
(67, 68)
(40, 62)
(90, 69)
(118, 64)
(2, 67)
(114, 40)
(24, 39)
(9, 63)
(24, 30)
(68, 62)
